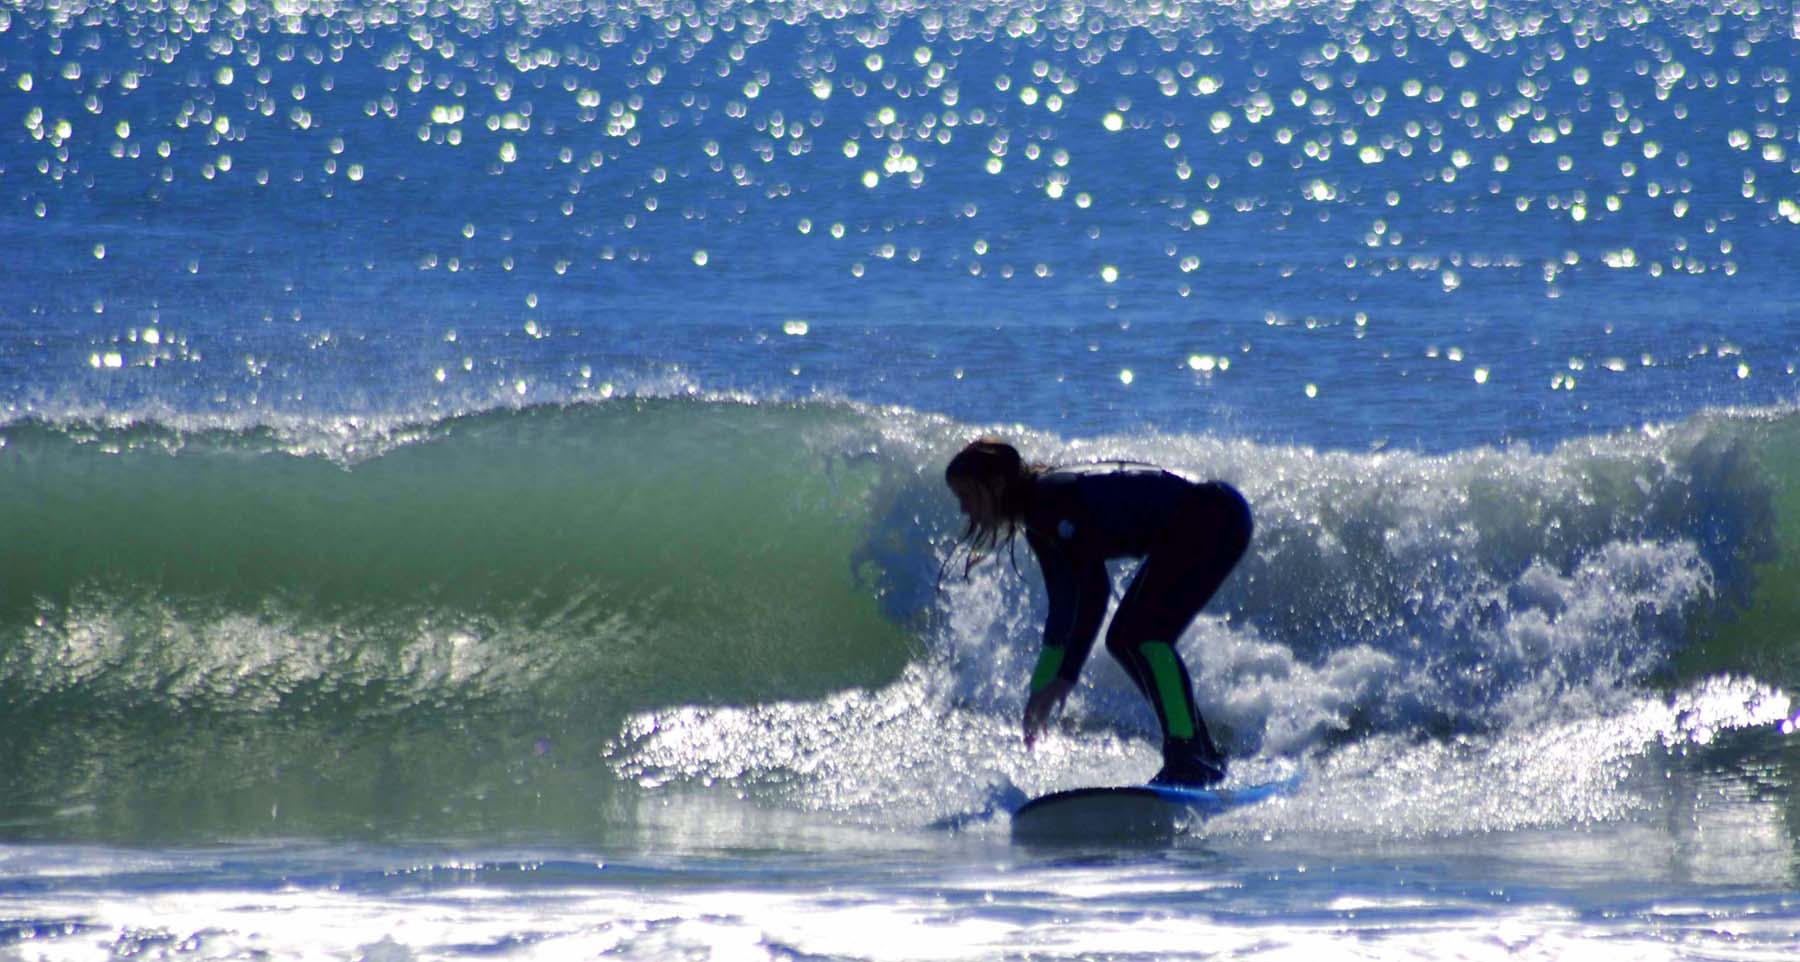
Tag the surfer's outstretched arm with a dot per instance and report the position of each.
(1078, 593)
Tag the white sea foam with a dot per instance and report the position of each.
(1492, 622)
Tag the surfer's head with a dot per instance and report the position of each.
(990, 481)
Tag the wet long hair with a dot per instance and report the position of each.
(995, 467)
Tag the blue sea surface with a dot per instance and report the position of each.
(472, 471)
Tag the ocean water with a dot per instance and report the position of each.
(470, 473)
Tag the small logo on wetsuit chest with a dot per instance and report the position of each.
(1065, 529)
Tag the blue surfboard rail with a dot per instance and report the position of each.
(1211, 801)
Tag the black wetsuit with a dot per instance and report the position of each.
(1189, 534)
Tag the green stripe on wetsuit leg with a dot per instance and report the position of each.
(1048, 663)
(1165, 668)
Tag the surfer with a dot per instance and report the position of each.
(1189, 535)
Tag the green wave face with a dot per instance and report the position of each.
(1756, 632)
(217, 618)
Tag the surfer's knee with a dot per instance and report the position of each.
(1125, 644)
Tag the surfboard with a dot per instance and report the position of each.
(1132, 813)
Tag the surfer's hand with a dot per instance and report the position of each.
(1043, 703)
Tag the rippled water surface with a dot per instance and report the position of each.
(1301, 220)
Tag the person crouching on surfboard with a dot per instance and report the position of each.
(1190, 536)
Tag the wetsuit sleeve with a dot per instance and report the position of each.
(1078, 592)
